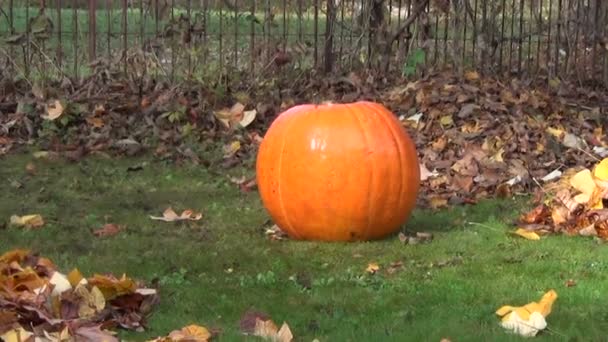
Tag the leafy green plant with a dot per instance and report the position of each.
(175, 116)
(416, 58)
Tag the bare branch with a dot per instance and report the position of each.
(409, 21)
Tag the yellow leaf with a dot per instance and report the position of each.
(27, 221)
(583, 182)
(191, 333)
(527, 320)
(112, 287)
(74, 277)
(601, 170)
(438, 202)
(16, 335)
(527, 234)
(54, 111)
(372, 268)
(446, 120)
(471, 75)
(554, 82)
(556, 132)
(498, 155)
(232, 148)
(95, 122)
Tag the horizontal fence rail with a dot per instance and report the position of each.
(180, 39)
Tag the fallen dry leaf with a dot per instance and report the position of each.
(30, 168)
(76, 308)
(108, 229)
(190, 333)
(268, 330)
(169, 215)
(54, 111)
(232, 148)
(229, 116)
(27, 221)
(372, 268)
(248, 117)
(16, 335)
(526, 234)
(574, 206)
(529, 319)
(275, 233)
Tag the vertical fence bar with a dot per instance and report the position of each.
(92, 29)
(142, 23)
(520, 40)
(236, 35)
(189, 39)
(594, 40)
(75, 35)
(390, 12)
(266, 31)
(125, 34)
(173, 49)
(285, 28)
(464, 37)
(549, 23)
(300, 13)
(577, 44)
(486, 35)
(558, 36)
(252, 38)
(205, 34)
(530, 33)
(540, 30)
(157, 17)
(400, 6)
(435, 35)
(109, 27)
(221, 37)
(502, 35)
(28, 45)
(340, 51)
(59, 31)
(490, 64)
(445, 34)
(474, 22)
(511, 36)
(316, 32)
(352, 26)
(11, 24)
(329, 36)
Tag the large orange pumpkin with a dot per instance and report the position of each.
(338, 172)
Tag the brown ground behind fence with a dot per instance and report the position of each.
(177, 39)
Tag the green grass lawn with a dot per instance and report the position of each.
(447, 288)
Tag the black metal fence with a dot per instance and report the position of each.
(198, 39)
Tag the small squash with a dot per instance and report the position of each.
(338, 172)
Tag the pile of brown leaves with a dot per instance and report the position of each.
(479, 137)
(574, 205)
(38, 301)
